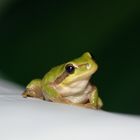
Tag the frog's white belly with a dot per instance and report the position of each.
(76, 92)
(71, 89)
(82, 97)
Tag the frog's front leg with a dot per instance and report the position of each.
(51, 94)
(34, 89)
(94, 100)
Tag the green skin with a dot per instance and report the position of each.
(71, 88)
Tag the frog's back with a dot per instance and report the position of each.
(53, 74)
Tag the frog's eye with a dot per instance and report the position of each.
(70, 68)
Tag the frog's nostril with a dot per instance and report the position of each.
(88, 66)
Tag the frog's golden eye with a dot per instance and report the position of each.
(70, 68)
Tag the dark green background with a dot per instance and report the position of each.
(37, 35)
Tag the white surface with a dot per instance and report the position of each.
(32, 119)
(7, 87)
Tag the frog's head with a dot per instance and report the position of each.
(79, 69)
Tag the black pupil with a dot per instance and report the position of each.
(70, 68)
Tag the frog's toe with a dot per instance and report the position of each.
(25, 94)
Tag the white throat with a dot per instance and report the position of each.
(73, 88)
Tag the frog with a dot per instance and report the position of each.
(68, 83)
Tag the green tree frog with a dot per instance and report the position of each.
(68, 83)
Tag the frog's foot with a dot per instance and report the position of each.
(91, 106)
(34, 90)
(35, 93)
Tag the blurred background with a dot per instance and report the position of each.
(38, 35)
